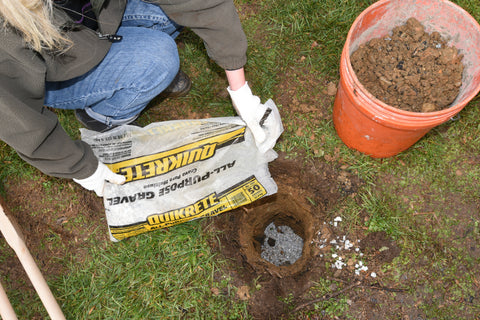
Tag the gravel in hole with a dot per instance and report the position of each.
(281, 246)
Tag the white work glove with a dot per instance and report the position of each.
(250, 109)
(263, 120)
(96, 181)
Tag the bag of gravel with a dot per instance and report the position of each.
(180, 170)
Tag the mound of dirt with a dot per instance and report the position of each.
(410, 69)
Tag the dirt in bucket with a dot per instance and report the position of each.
(410, 69)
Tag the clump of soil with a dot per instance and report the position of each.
(410, 69)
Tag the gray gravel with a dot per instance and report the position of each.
(282, 246)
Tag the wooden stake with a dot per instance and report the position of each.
(15, 240)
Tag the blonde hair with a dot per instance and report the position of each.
(34, 20)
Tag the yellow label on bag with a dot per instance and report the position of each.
(241, 194)
(157, 164)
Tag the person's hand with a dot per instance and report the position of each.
(96, 181)
(250, 109)
(263, 120)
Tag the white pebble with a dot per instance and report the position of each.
(339, 264)
(348, 244)
(336, 221)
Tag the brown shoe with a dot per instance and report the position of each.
(179, 86)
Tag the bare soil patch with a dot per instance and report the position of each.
(70, 220)
(281, 292)
(410, 69)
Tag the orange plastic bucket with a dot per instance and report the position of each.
(372, 127)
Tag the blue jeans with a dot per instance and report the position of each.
(134, 71)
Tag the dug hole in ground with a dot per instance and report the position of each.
(305, 193)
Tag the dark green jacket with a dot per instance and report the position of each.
(34, 131)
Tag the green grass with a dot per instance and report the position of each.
(162, 275)
(170, 274)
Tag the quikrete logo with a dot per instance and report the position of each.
(163, 162)
(186, 212)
